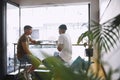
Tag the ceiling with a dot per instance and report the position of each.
(29, 3)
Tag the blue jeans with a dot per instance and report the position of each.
(25, 59)
(56, 54)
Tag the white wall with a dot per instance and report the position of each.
(112, 58)
(110, 12)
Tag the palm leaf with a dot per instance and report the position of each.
(112, 32)
(109, 38)
(116, 21)
(62, 72)
(98, 38)
(105, 45)
(99, 42)
(82, 36)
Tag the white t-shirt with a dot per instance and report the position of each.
(66, 53)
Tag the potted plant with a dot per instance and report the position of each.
(102, 36)
(88, 45)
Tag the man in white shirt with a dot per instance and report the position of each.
(64, 45)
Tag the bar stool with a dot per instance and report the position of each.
(22, 65)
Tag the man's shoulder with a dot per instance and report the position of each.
(23, 38)
(63, 35)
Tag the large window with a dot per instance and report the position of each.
(45, 22)
(12, 34)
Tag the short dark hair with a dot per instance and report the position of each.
(63, 26)
(27, 27)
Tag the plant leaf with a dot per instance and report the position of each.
(109, 38)
(83, 35)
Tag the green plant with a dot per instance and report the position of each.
(63, 72)
(103, 35)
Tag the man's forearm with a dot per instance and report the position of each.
(60, 47)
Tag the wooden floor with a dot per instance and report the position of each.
(97, 68)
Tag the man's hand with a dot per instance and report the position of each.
(33, 42)
(38, 42)
(60, 47)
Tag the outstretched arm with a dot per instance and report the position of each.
(34, 41)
